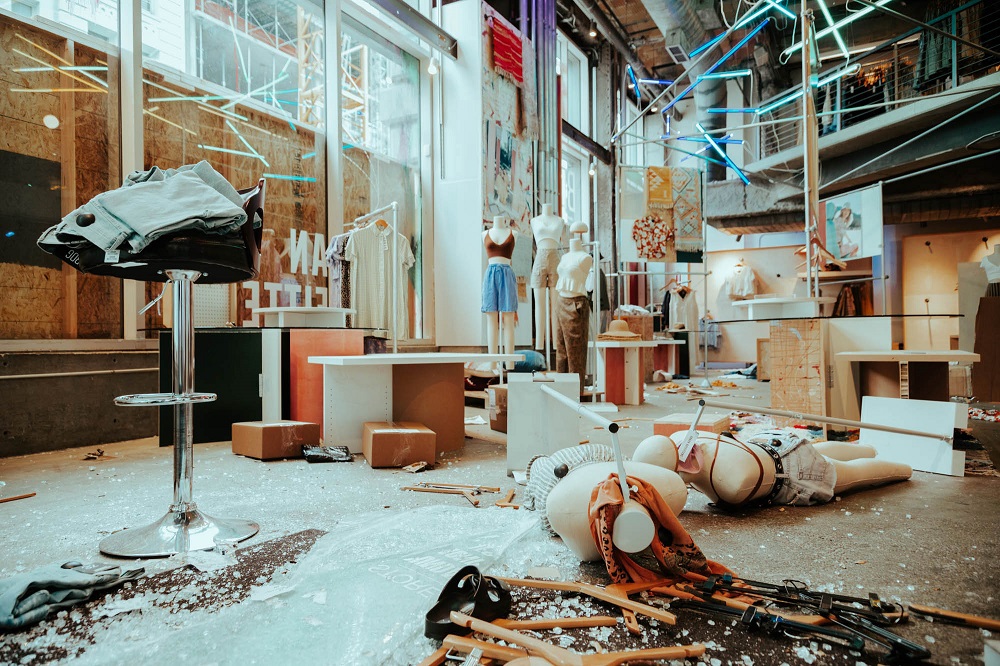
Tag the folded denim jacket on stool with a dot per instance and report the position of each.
(150, 204)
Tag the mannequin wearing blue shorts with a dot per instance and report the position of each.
(499, 286)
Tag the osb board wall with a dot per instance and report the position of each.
(33, 296)
(798, 368)
(172, 137)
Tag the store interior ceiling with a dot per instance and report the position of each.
(654, 36)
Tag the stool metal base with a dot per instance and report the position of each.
(182, 529)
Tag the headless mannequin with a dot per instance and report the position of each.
(568, 503)
(548, 230)
(573, 310)
(499, 324)
(743, 472)
(991, 264)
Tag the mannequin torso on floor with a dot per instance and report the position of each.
(736, 473)
(499, 286)
(548, 230)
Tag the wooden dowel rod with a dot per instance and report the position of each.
(16, 497)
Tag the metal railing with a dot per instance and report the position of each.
(912, 66)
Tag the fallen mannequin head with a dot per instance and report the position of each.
(774, 467)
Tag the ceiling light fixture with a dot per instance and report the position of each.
(593, 31)
(432, 66)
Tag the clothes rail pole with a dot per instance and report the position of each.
(607, 424)
(595, 312)
(822, 419)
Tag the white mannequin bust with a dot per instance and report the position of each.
(991, 264)
(548, 229)
(568, 503)
(574, 267)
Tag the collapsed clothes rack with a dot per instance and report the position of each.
(395, 258)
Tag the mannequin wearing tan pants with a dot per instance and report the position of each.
(573, 310)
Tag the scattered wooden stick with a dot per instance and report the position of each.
(561, 622)
(960, 618)
(467, 494)
(436, 658)
(491, 650)
(17, 497)
(482, 489)
(597, 593)
(507, 501)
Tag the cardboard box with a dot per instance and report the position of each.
(398, 443)
(498, 407)
(274, 439)
(671, 423)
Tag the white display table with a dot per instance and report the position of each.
(424, 387)
(783, 307)
(304, 317)
(619, 368)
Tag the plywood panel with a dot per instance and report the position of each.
(798, 366)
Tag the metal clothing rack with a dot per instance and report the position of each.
(395, 260)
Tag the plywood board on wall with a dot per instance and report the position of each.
(798, 366)
(763, 359)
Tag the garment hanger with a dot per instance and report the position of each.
(381, 224)
(670, 282)
(739, 264)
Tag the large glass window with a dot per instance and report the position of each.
(240, 83)
(59, 146)
(381, 141)
(575, 186)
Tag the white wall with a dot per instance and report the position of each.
(931, 273)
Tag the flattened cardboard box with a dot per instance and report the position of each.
(273, 439)
(398, 443)
(498, 407)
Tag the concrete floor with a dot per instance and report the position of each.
(932, 540)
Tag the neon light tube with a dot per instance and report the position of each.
(754, 110)
(281, 176)
(784, 10)
(230, 151)
(731, 74)
(839, 24)
(308, 155)
(718, 63)
(781, 102)
(657, 82)
(853, 69)
(698, 139)
(836, 33)
(707, 45)
(723, 155)
(635, 83)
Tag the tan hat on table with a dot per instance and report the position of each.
(618, 330)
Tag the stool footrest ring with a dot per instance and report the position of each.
(163, 399)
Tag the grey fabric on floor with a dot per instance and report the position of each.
(26, 599)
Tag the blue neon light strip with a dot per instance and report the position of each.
(723, 155)
(707, 45)
(635, 83)
(731, 74)
(836, 33)
(308, 155)
(698, 155)
(784, 10)
(836, 26)
(657, 82)
(754, 110)
(718, 63)
(281, 176)
(698, 139)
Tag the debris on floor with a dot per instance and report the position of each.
(324, 454)
(16, 497)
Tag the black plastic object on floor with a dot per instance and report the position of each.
(321, 454)
(471, 593)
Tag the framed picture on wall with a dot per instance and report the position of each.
(851, 224)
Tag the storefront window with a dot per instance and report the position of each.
(575, 186)
(240, 83)
(59, 146)
(381, 142)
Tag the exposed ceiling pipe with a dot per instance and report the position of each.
(616, 39)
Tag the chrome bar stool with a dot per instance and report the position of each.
(182, 259)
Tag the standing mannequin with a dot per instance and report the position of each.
(573, 307)
(735, 473)
(499, 285)
(991, 264)
(548, 230)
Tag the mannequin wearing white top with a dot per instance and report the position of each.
(548, 230)
(573, 309)
(499, 287)
(991, 264)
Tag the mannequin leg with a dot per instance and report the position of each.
(507, 335)
(562, 359)
(844, 450)
(492, 334)
(868, 473)
(541, 318)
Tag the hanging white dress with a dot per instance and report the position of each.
(370, 252)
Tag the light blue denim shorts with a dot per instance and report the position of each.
(808, 477)
(499, 289)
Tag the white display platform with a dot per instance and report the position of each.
(357, 389)
(536, 423)
(783, 308)
(304, 317)
(921, 453)
(631, 392)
